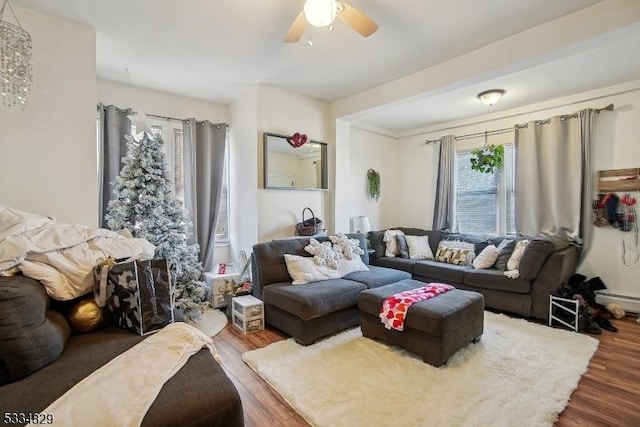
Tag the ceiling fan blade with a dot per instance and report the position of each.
(296, 30)
(357, 20)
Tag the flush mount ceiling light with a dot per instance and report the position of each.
(490, 97)
(320, 13)
(15, 62)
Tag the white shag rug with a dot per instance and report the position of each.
(212, 322)
(519, 374)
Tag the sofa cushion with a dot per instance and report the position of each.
(537, 252)
(313, 299)
(403, 264)
(304, 270)
(376, 242)
(434, 235)
(419, 247)
(268, 261)
(31, 336)
(439, 271)
(391, 243)
(378, 276)
(496, 280)
(506, 248)
(403, 248)
(479, 241)
(514, 259)
(457, 256)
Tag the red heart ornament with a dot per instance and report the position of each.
(297, 140)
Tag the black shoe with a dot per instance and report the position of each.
(606, 324)
(593, 328)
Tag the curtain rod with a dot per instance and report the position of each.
(511, 129)
(130, 111)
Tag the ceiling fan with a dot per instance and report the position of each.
(322, 13)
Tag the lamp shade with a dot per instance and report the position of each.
(320, 13)
(360, 224)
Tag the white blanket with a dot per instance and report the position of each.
(121, 392)
(61, 256)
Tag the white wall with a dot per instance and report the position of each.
(243, 171)
(285, 113)
(160, 103)
(614, 146)
(369, 150)
(48, 151)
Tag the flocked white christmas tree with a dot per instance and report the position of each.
(146, 205)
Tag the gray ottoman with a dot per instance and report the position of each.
(434, 329)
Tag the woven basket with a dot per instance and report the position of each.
(308, 227)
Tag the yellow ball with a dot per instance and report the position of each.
(86, 316)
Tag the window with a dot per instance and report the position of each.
(173, 148)
(485, 202)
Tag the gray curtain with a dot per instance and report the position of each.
(443, 211)
(554, 177)
(204, 150)
(114, 125)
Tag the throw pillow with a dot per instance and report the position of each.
(514, 260)
(391, 243)
(459, 244)
(456, 256)
(323, 253)
(304, 270)
(487, 258)
(419, 247)
(349, 248)
(505, 249)
(403, 249)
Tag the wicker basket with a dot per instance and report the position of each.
(308, 227)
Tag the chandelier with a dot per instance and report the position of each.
(15, 62)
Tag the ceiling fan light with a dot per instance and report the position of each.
(320, 13)
(490, 97)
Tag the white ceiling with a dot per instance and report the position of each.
(212, 49)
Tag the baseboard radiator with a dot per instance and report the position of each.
(629, 303)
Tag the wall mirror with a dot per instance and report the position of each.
(290, 168)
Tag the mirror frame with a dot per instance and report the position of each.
(324, 178)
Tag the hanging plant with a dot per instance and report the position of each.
(486, 158)
(373, 184)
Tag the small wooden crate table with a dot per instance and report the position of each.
(247, 313)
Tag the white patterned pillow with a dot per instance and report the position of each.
(391, 249)
(487, 258)
(514, 261)
(304, 270)
(456, 256)
(350, 248)
(419, 247)
(459, 244)
(323, 253)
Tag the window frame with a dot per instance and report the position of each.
(501, 192)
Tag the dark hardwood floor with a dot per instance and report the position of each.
(607, 395)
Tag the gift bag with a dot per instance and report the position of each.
(138, 295)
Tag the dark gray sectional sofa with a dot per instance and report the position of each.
(40, 360)
(546, 264)
(314, 310)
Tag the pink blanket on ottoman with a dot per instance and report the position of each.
(394, 308)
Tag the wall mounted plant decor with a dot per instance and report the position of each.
(373, 184)
(486, 158)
